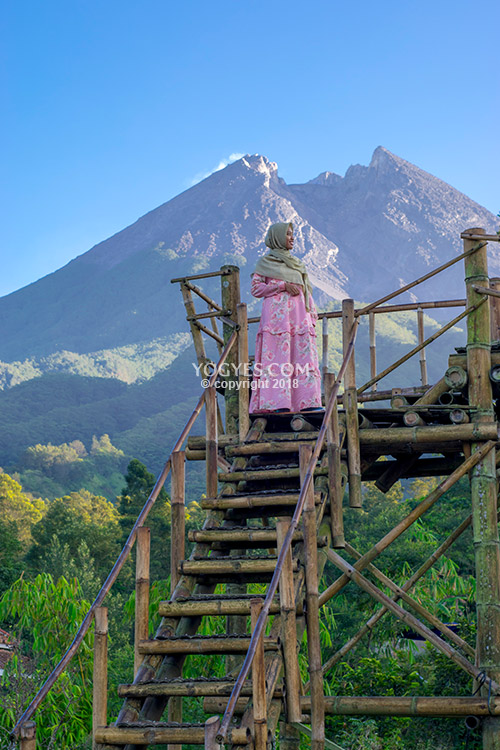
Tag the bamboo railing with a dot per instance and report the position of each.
(87, 621)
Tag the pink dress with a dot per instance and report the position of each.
(286, 372)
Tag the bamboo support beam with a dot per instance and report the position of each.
(408, 619)
(141, 624)
(414, 604)
(28, 736)
(244, 379)
(178, 515)
(199, 346)
(212, 334)
(373, 348)
(335, 487)
(407, 586)
(483, 480)
(405, 523)
(230, 295)
(192, 688)
(312, 609)
(421, 339)
(100, 673)
(258, 684)
(495, 309)
(421, 705)
(213, 607)
(289, 629)
(351, 408)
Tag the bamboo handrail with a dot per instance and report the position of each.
(404, 307)
(419, 347)
(260, 624)
(200, 276)
(66, 658)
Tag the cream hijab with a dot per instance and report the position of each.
(279, 263)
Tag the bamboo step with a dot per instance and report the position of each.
(204, 644)
(260, 500)
(184, 687)
(243, 537)
(160, 732)
(251, 569)
(199, 606)
(265, 475)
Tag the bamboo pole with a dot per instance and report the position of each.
(414, 604)
(258, 684)
(373, 348)
(207, 275)
(141, 625)
(178, 514)
(28, 736)
(495, 309)
(419, 347)
(483, 482)
(335, 488)
(413, 419)
(289, 737)
(405, 523)
(407, 618)
(421, 339)
(312, 612)
(351, 409)
(100, 676)
(365, 310)
(157, 734)
(407, 586)
(289, 629)
(230, 295)
(211, 333)
(211, 728)
(237, 644)
(324, 351)
(210, 607)
(199, 346)
(195, 687)
(244, 379)
(421, 705)
(211, 441)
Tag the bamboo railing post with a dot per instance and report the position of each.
(495, 310)
(421, 339)
(289, 629)
(199, 346)
(483, 482)
(373, 348)
(211, 728)
(324, 351)
(244, 375)
(211, 441)
(351, 408)
(230, 294)
(258, 683)
(335, 489)
(28, 736)
(312, 613)
(141, 625)
(100, 677)
(178, 516)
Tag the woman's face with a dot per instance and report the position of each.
(289, 238)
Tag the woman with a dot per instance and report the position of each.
(286, 373)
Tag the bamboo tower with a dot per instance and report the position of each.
(276, 489)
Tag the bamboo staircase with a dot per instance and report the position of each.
(244, 526)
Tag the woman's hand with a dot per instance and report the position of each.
(292, 289)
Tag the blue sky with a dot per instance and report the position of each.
(111, 107)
